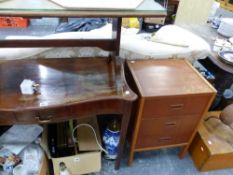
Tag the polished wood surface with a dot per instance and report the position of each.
(173, 99)
(212, 147)
(62, 81)
(156, 78)
(69, 88)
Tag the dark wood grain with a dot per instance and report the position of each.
(69, 88)
(62, 81)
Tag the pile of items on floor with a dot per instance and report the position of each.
(73, 147)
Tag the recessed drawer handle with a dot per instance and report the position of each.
(44, 120)
(177, 106)
(170, 123)
(165, 138)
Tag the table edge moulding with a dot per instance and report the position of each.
(113, 72)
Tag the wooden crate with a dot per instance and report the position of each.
(211, 148)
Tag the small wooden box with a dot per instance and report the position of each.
(210, 149)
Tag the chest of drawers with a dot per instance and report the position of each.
(172, 100)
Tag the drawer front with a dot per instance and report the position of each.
(43, 116)
(187, 127)
(7, 118)
(168, 106)
(164, 131)
(53, 115)
(27, 117)
(157, 132)
(159, 126)
(155, 141)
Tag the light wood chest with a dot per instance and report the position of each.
(172, 100)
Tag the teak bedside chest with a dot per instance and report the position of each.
(173, 97)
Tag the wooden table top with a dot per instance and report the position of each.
(156, 78)
(43, 8)
(62, 82)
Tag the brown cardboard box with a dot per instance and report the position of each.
(83, 162)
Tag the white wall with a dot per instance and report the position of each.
(193, 11)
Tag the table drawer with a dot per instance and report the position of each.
(7, 118)
(53, 115)
(167, 106)
(43, 116)
(27, 117)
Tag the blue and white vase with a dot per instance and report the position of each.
(111, 141)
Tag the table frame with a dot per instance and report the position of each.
(117, 104)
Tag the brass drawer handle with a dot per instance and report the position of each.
(177, 106)
(44, 120)
(170, 123)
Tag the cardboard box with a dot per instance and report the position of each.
(83, 162)
(13, 22)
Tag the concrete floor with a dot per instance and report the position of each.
(159, 162)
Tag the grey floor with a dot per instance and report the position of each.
(159, 162)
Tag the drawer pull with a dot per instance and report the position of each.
(202, 149)
(177, 106)
(165, 138)
(44, 119)
(170, 123)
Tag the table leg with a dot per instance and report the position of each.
(116, 36)
(183, 152)
(131, 156)
(124, 127)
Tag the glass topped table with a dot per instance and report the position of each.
(148, 8)
(110, 95)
